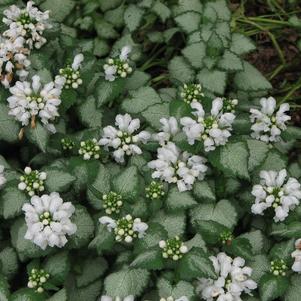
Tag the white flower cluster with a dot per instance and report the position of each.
(123, 138)
(13, 60)
(29, 23)
(212, 130)
(234, 280)
(72, 73)
(174, 166)
(125, 228)
(108, 298)
(274, 191)
(26, 27)
(169, 128)
(2, 177)
(269, 122)
(31, 100)
(118, 66)
(297, 256)
(170, 298)
(48, 220)
(32, 181)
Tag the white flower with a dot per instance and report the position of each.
(48, 220)
(118, 67)
(213, 130)
(125, 51)
(173, 166)
(31, 100)
(109, 222)
(29, 23)
(110, 72)
(169, 129)
(267, 122)
(107, 298)
(170, 298)
(297, 257)
(234, 280)
(274, 191)
(124, 139)
(13, 60)
(78, 59)
(2, 177)
(72, 73)
(125, 228)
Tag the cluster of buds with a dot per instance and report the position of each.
(112, 202)
(118, 66)
(73, 79)
(192, 93)
(37, 279)
(277, 192)
(89, 149)
(45, 218)
(278, 267)
(72, 73)
(127, 229)
(122, 69)
(126, 142)
(173, 248)
(154, 191)
(226, 237)
(32, 181)
(229, 105)
(67, 144)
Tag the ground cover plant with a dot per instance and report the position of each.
(149, 150)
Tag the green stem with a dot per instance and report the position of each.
(270, 21)
(294, 106)
(272, 37)
(149, 63)
(291, 92)
(160, 78)
(276, 71)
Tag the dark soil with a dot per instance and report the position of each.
(266, 57)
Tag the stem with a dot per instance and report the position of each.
(33, 121)
(291, 92)
(276, 71)
(272, 37)
(149, 63)
(160, 77)
(21, 134)
(270, 21)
